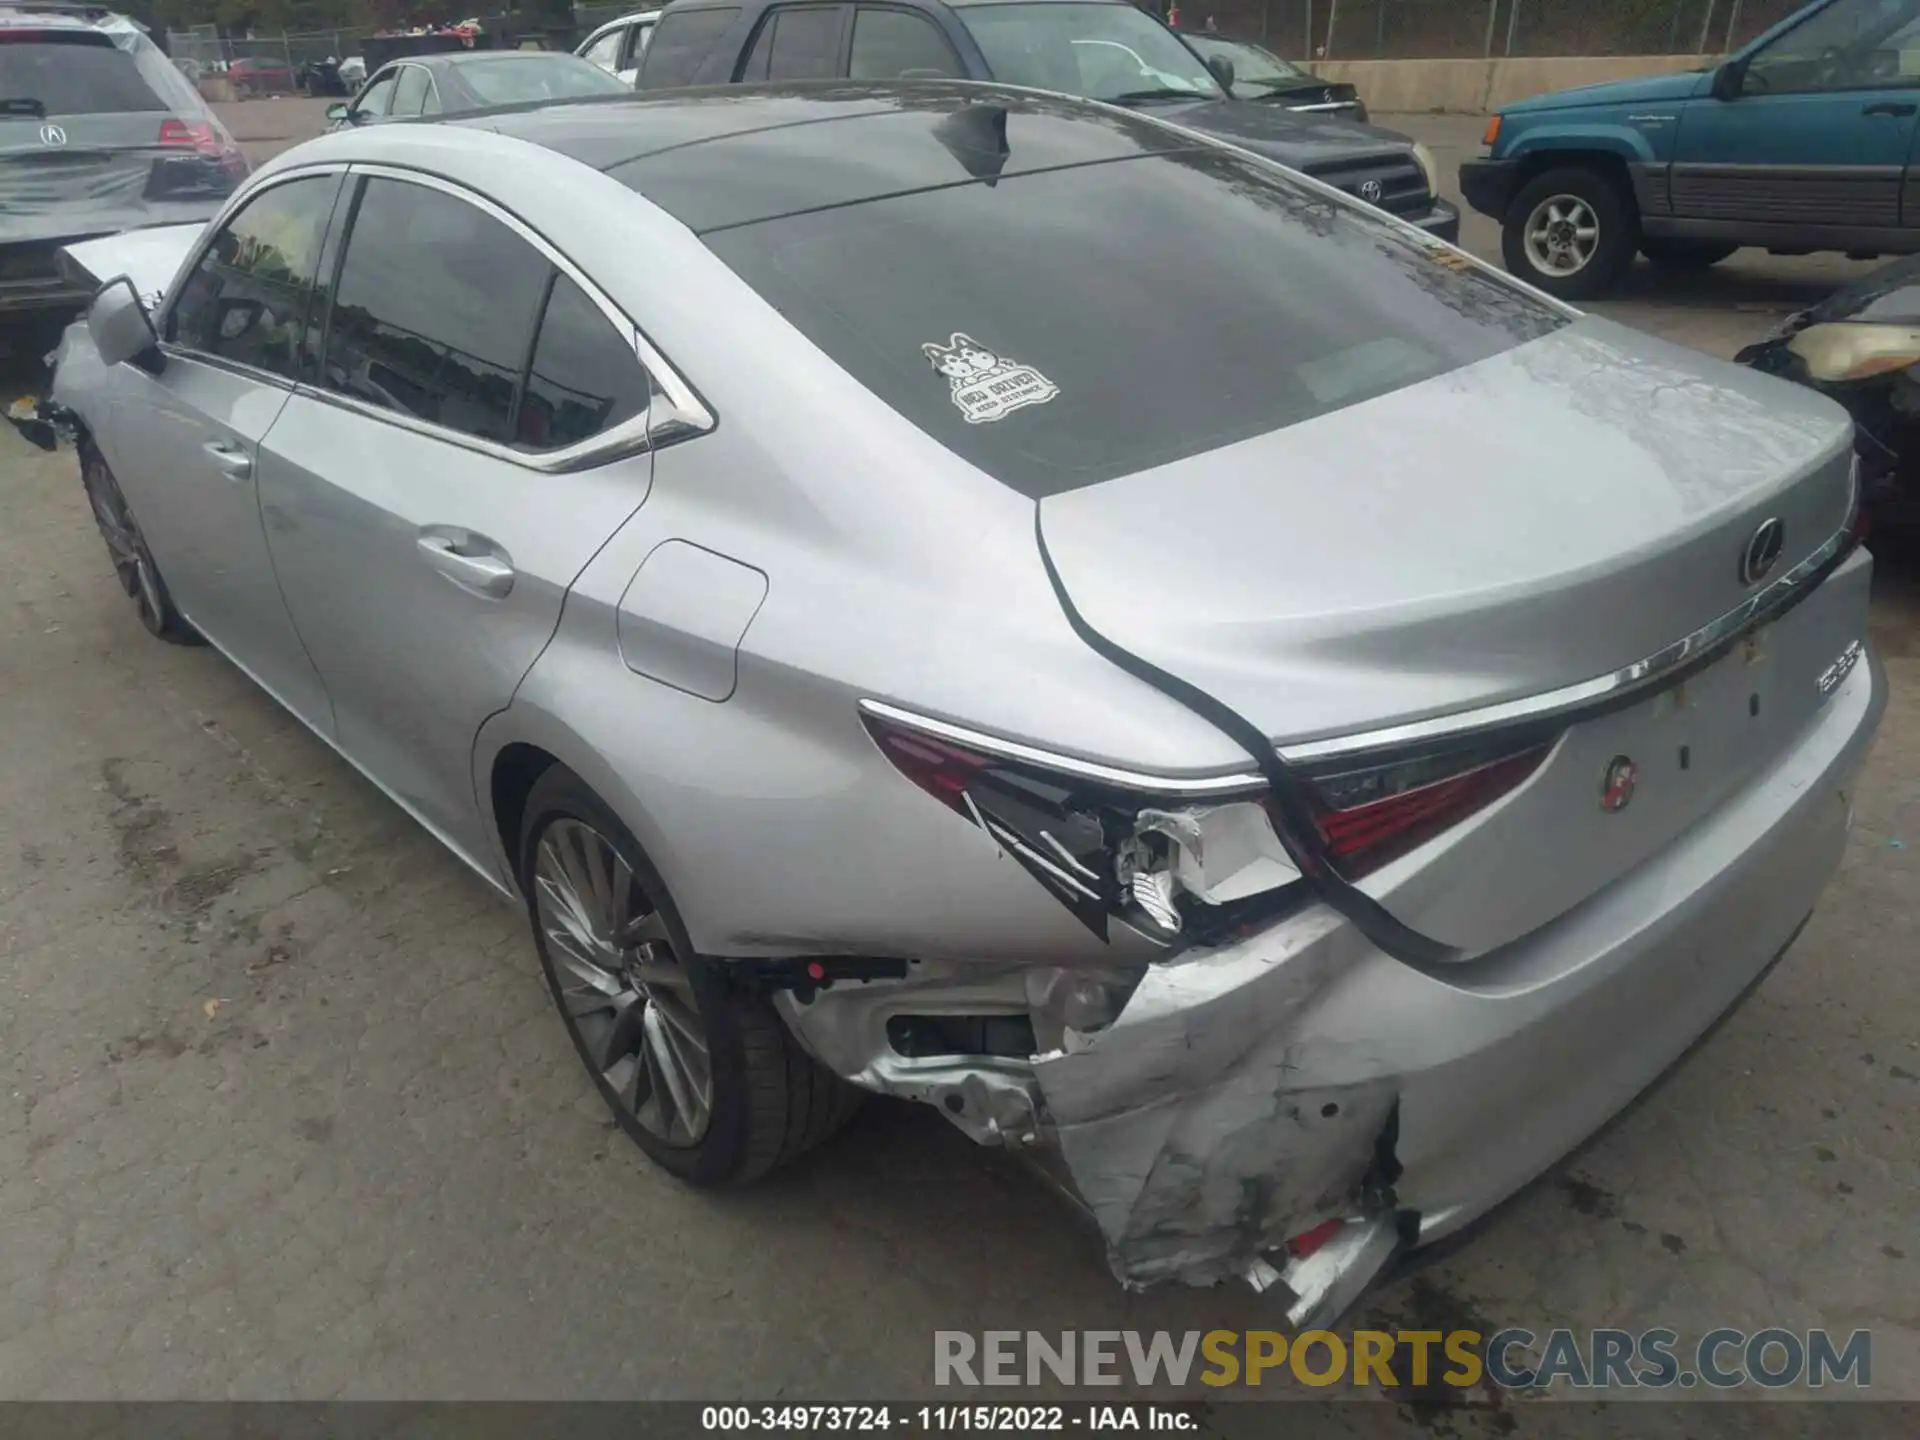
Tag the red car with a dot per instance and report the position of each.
(260, 77)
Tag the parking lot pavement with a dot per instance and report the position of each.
(284, 1111)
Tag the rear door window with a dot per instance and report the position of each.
(247, 299)
(86, 75)
(796, 43)
(899, 45)
(585, 377)
(681, 43)
(433, 314)
(1062, 327)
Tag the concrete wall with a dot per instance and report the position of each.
(1474, 87)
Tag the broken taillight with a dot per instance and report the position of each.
(1369, 816)
(1163, 862)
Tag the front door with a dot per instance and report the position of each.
(231, 337)
(472, 440)
(1820, 132)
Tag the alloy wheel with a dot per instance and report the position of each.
(1562, 235)
(627, 997)
(132, 562)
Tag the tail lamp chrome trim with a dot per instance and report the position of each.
(1663, 667)
(1208, 785)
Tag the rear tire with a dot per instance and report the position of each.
(632, 1009)
(1684, 255)
(1571, 231)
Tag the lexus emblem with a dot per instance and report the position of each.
(1616, 788)
(1762, 552)
(52, 135)
(1370, 191)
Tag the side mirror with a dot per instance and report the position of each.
(121, 329)
(1727, 80)
(1222, 69)
(336, 113)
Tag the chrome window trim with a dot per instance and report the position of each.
(674, 413)
(237, 202)
(1663, 666)
(1067, 764)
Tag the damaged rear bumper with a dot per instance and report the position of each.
(1240, 1097)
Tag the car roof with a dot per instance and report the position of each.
(51, 15)
(454, 59)
(679, 5)
(731, 155)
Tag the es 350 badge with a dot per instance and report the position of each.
(985, 386)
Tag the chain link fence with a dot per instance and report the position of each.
(1475, 29)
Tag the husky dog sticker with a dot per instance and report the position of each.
(987, 386)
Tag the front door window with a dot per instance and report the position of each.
(1850, 45)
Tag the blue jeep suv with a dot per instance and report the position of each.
(1802, 141)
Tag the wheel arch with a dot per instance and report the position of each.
(518, 745)
(1611, 163)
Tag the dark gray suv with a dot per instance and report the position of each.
(1097, 49)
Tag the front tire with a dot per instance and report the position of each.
(1571, 232)
(133, 563)
(700, 1072)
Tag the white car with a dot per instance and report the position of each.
(617, 46)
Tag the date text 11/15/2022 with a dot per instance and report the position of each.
(940, 1419)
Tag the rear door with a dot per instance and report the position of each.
(1821, 130)
(188, 442)
(473, 434)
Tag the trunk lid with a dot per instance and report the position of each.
(1527, 523)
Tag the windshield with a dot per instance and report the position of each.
(1066, 326)
(1251, 64)
(522, 78)
(1101, 51)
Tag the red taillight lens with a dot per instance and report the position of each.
(192, 135)
(1368, 817)
(944, 771)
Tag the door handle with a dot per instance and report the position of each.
(231, 460)
(1889, 107)
(470, 561)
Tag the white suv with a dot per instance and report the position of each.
(617, 46)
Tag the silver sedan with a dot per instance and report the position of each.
(1004, 602)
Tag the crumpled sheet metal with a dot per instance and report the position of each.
(1193, 1127)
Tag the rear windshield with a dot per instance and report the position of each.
(1060, 328)
(526, 78)
(75, 77)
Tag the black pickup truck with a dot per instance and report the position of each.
(1098, 49)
